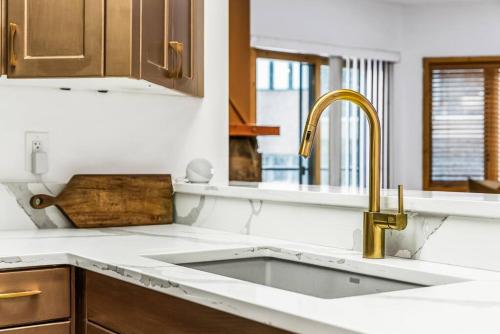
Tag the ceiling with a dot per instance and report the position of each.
(421, 2)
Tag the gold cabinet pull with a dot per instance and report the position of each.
(20, 294)
(178, 48)
(177, 73)
(12, 38)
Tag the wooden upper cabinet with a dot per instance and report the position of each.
(160, 41)
(172, 44)
(120, 39)
(187, 23)
(156, 65)
(3, 44)
(55, 38)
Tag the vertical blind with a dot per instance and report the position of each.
(372, 79)
(464, 122)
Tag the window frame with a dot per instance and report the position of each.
(490, 118)
(314, 60)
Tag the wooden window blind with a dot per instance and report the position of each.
(461, 119)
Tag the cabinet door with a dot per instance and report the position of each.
(186, 28)
(96, 329)
(172, 44)
(155, 55)
(52, 328)
(34, 296)
(125, 308)
(3, 34)
(55, 38)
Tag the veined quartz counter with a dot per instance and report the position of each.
(469, 305)
(431, 202)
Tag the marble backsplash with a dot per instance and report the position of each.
(457, 240)
(464, 241)
(16, 212)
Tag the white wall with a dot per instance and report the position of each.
(459, 29)
(345, 24)
(124, 133)
(413, 31)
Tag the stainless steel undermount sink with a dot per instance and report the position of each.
(303, 278)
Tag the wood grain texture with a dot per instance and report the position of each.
(248, 130)
(45, 28)
(128, 309)
(487, 186)
(52, 303)
(113, 200)
(136, 40)
(490, 65)
(54, 328)
(57, 38)
(73, 300)
(181, 20)
(154, 42)
(3, 34)
(96, 329)
(164, 21)
(245, 162)
(187, 26)
(118, 38)
(240, 66)
(491, 128)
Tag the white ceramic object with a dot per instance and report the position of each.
(199, 171)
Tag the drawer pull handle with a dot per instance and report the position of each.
(12, 50)
(12, 295)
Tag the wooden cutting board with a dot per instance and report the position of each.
(113, 200)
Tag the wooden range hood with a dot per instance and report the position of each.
(242, 75)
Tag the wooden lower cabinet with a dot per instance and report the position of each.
(124, 308)
(56, 328)
(96, 329)
(65, 300)
(35, 296)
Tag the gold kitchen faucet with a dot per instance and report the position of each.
(375, 222)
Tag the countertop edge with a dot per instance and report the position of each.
(442, 203)
(129, 274)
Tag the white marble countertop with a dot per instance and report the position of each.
(469, 303)
(433, 202)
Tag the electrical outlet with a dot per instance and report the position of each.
(34, 141)
(36, 145)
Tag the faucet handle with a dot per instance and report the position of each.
(400, 199)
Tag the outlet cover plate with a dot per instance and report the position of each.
(29, 138)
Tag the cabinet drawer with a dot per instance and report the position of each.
(58, 328)
(96, 329)
(34, 296)
(129, 309)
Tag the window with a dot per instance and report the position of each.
(460, 121)
(283, 100)
(287, 86)
(286, 89)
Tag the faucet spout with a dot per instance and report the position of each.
(375, 223)
(310, 131)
